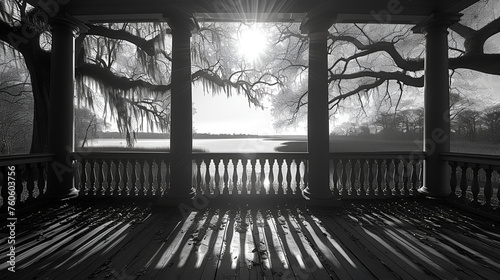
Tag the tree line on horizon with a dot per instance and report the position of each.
(467, 125)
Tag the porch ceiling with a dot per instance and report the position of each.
(390, 11)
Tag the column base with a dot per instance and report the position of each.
(174, 201)
(324, 202)
(69, 194)
(426, 192)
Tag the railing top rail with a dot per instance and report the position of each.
(25, 159)
(120, 155)
(472, 158)
(250, 155)
(417, 155)
(414, 155)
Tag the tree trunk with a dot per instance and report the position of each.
(38, 63)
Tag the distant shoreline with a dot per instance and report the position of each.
(295, 144)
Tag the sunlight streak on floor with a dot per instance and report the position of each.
(235, 248)
(332, 241)
(176, 243)
(277, 243)
(202, 251)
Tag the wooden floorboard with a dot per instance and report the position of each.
(118, 239)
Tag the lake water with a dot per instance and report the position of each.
(236, 145)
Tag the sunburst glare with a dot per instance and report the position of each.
(252, 42)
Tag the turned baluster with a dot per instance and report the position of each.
(335, 178)
(414, 179)
(475, 186)
(104, 177)
(498, 190)
(330, 175)
(94, 177)
(40, 178)
(406, 190)
(89, 184)
(352, 178)
(235, 176)
(99, 178)
(155, 177)
(165, 177)
(396, 178)
(305, 176)
(129, 186)
(281, 187)
(139, 188)
(371, 177)
(198, 178)
(488, 189)
(30, 184)
(288, 176)
(19, 182)
(272, 190)
(253, 177)
(362, 178)
(343, 179)
(262, 178)
(113, 178)
(146, 172)
(106, 170)
(298, 187)
(463, 183)
(380, 174)
(217, 177)
(206, 186)
(121, 178)
(244, 177)
(453, 179)
(225, 177)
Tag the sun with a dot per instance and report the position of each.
(252, 42)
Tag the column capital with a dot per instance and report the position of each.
(183, 23)
(317, 25)
(436, 21)
(69, 22)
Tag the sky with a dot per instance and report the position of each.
(227, 115)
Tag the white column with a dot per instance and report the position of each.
(181, 133)
(61, 110)
(318, 130)
(436, 180)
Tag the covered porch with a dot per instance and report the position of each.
(426, 171)
(205, 215)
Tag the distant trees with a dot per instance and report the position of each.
(402, 125)
(469, 125)
(87, 126)
(491, 119)
(477, 125)
(16, 107)
(466, 125)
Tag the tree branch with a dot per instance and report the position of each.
(110, 79)
(336, 100)
(398, 76)
(387, 47)
(485, 63)
(146, 45)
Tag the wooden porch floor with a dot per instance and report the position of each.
(131, 239)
